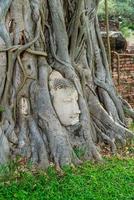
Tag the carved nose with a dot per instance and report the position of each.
(78, 111)
(75, 108)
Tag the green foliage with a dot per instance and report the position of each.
(113, 180)
(2, 109)
(132, 126)
(119, 10)
(111, 8)
(127, 32)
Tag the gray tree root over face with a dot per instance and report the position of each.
(56, 90)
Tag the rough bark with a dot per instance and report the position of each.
(37, 37)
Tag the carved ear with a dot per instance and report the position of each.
(52, 92)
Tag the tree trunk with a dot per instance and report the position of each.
(56, 90)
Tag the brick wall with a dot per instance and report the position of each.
(123, 75)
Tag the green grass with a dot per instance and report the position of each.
(113, 180)
(132, 127)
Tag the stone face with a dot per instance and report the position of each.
(24, 107)
(64, 98)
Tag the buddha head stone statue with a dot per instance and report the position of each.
(24, 106)
(64, 98)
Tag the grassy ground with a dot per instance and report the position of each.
(113, 180)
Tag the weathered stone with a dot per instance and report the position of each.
(65, 99)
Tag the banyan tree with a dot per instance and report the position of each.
(57, 96)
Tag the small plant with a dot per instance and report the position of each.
(127, 32)
(79, 152)
(132, 126)
(2, 109)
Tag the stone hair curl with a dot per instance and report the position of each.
(62, 83)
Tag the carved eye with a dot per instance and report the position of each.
(67, 100)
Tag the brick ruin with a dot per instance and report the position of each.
(122, 60)
(123, 75)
